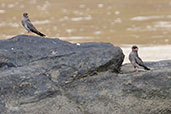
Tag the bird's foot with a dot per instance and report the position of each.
(28, 33)
(136, 70)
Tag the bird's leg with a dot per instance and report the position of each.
(136, 69)
(28, 33)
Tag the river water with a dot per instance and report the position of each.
(146, 23)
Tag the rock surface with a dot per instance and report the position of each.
(51, 76)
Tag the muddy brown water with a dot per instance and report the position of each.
(146, 23)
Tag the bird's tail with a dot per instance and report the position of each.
(146, 68)
(41, 34)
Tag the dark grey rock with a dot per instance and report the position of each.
(51, 76)
(54, 55)
(145, 92)
(35, 69)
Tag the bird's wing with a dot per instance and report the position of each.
(33, 29)
(31, 26)
(139, 61)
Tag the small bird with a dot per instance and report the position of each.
(136, 60)
(29, 26)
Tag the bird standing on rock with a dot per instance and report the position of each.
(136, 60)
(29, 26)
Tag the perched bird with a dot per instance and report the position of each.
(29, 26)
(136, 60)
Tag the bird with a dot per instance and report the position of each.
(29, 26)
(135, 60)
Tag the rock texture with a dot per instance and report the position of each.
(51, 76)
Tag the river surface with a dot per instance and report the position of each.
(146, 23)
